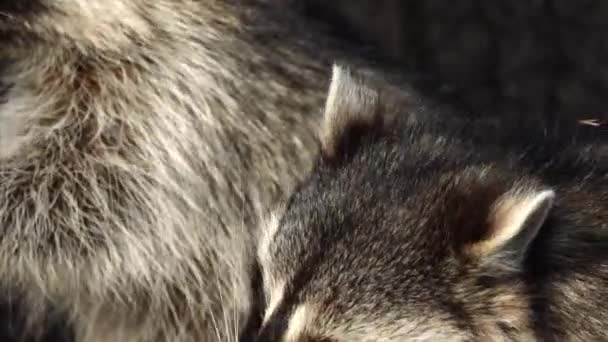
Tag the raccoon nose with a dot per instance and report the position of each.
(19, 7)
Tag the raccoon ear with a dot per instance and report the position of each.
(352, 107)
(513, 222)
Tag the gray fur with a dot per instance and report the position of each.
(419, 226)
(136, 138)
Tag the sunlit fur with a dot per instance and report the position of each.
(134, 134)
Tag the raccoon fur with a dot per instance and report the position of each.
(419, 226)
(137, 139)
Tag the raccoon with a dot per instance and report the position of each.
(138, 141)
(419, 226)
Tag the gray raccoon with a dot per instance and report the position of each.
(137, 139)
(422, 227)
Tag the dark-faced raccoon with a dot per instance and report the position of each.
(136, 138)
(418, 226)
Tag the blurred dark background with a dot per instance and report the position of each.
(533, 59)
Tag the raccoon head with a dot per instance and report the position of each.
(85, 25)
(390, 241)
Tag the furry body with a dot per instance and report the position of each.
(419, 226)
(136, 137)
